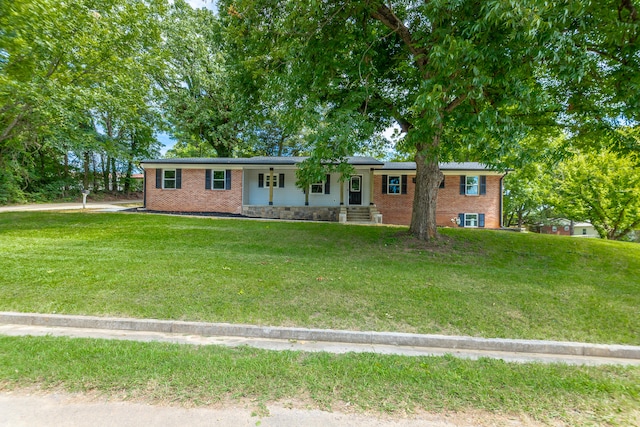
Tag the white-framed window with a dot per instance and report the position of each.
(317, 188)
(472, 185)
(584, 231)
(218, 180)
(267, 180)
(471, 220)
(566, 228)
(393, 184)
(554, 228)
(169, 178)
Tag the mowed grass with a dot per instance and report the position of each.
(191, 375)
(324, 275)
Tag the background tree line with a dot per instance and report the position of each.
(549, 89)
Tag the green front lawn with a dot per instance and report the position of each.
(475, 282)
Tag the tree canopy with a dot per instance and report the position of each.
(463, 75)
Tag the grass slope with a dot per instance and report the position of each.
(476, 282)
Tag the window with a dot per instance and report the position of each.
(472, 184)
(264, 180)
(584, 231)
(267, 180)
(393, 186)
(566, 228)
(317, 188)
(218, 180)
(471, 220)
(169, 178)
(554, 228)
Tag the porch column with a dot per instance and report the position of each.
(371, 188)
(270, 186)
(341, 189)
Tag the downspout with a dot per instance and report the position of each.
(144, 190)
(501, 198)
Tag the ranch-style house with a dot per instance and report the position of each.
(469, 196)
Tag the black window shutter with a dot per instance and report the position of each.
(442, 183)
(327, 185)
(158, 178)
(178, 178)
(260, 180)
(281, 181)
(461, 220)
(463, 184)
(384, 184)
(483, 184)
(207, 179)
(227, 179)
(404, 184)
(480, 220)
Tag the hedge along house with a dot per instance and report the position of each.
(265, 187)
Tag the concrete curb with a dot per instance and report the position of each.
(338, 336)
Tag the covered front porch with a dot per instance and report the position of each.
(272, 193)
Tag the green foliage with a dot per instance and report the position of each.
(461, 77)
(603, 188)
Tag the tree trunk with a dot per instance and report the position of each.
(127, 180)
(105, 170)
(428, 178)
(66, 172)
(85, 176)
(114, 175)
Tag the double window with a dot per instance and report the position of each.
(264, 180)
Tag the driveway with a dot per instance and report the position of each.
(100, 206)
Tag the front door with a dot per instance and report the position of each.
(355, 190)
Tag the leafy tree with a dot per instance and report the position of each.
(452, 75)
(603, 188)
(198, 102)
(56, 61)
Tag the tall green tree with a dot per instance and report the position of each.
(603, 188)
(56, 59)
(199, 104)
(451, 74)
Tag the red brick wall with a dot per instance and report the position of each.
(396, 209)
(193, 197)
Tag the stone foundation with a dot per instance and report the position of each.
(309, 213)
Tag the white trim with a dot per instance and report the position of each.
(399, 184)
(224, 179)
(164, 179)
(477, 220)
(476, 185)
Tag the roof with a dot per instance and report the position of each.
(292, 161)
(465, 166)
(258, 160)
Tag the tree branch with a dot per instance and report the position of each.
(390, 20)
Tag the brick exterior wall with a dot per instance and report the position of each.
(397, 208)
(192, 196)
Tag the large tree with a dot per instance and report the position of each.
(60, 62)
(451, 74)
